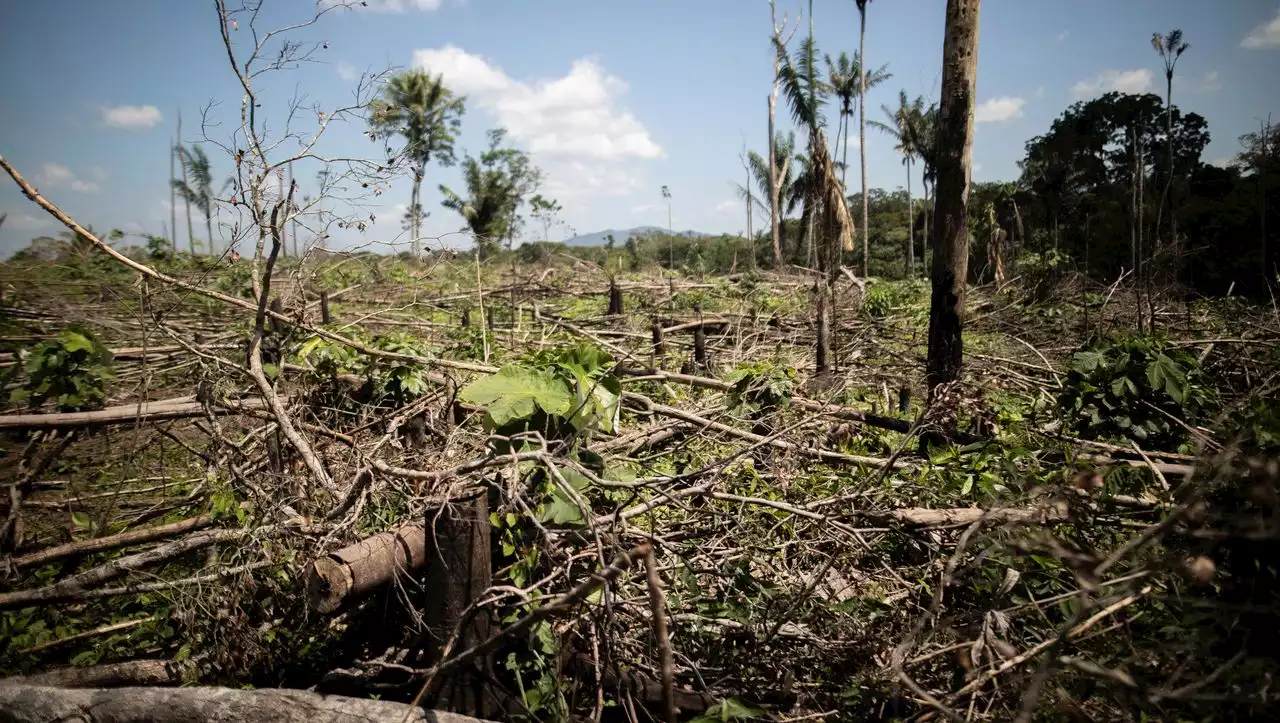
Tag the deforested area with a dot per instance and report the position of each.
(966, 450)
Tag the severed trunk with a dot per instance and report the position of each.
(955, 150)
(39, 704)
(459, 570)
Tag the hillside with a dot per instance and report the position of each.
(598, 238)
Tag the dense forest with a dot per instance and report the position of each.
(968, 451)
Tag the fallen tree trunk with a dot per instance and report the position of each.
(111, 675)
(36, 704)
(150, 412)
(75, 587)
(348, 574)
(112, 542)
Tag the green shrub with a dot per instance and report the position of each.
(71, 369)
(1136, 389)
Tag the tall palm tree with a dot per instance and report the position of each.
(671, 243)
(197, 189)
(417, 106)
(862, 125)
(1170, 47)
(905, 127)
(845, 83)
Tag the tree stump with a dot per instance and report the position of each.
(459, 570)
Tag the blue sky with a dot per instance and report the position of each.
(614, 99)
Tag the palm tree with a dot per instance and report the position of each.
(843, 80)
(416, 105)
(197, 187)
(904, 125)
(862, 125)
(806, 94)
(191, 236)
(782, 172)
(1170, 47)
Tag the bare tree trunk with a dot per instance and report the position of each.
(911, 227)
(775, 180)
(822, 358)
(229, 705)
(173, 189)
(862, 134)
(955, 151)
(415, 216)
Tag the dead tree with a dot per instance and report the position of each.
(950, 233)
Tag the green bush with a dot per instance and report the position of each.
(1136, 389)
(71, 369)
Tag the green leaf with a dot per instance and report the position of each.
(81, 520)
(1087, 361)
(516, 393)
(74, 341)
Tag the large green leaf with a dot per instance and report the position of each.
(516, 393)
(1169, 374)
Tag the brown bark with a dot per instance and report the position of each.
(112, 542)
(459, 570)
(342, 577)
(110, 675)
(822, 356)
(177, 705)
(862, 132)
(73, 588)
(775, 177)
(955, 150)
(124, 413)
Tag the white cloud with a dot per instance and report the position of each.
(574, 116)
(1207, 83)
(132, 116)
(1062, 36)
(1124, 81)
(1224, 161)
(1040, 92)
(999, 110)
(643, 208)
(729, 206)
(346, 71)
(22, 221)
(1265, 35)
(53, 175)
(977, 168)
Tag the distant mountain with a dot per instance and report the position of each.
(620, 236)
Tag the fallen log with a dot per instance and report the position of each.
(344, 576)
(110, 675)
(124, 413)
(74, 587)
(39, 704)
(112, 542)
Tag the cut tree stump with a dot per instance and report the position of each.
(459, 569)
(342, 577)
(36, 704)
